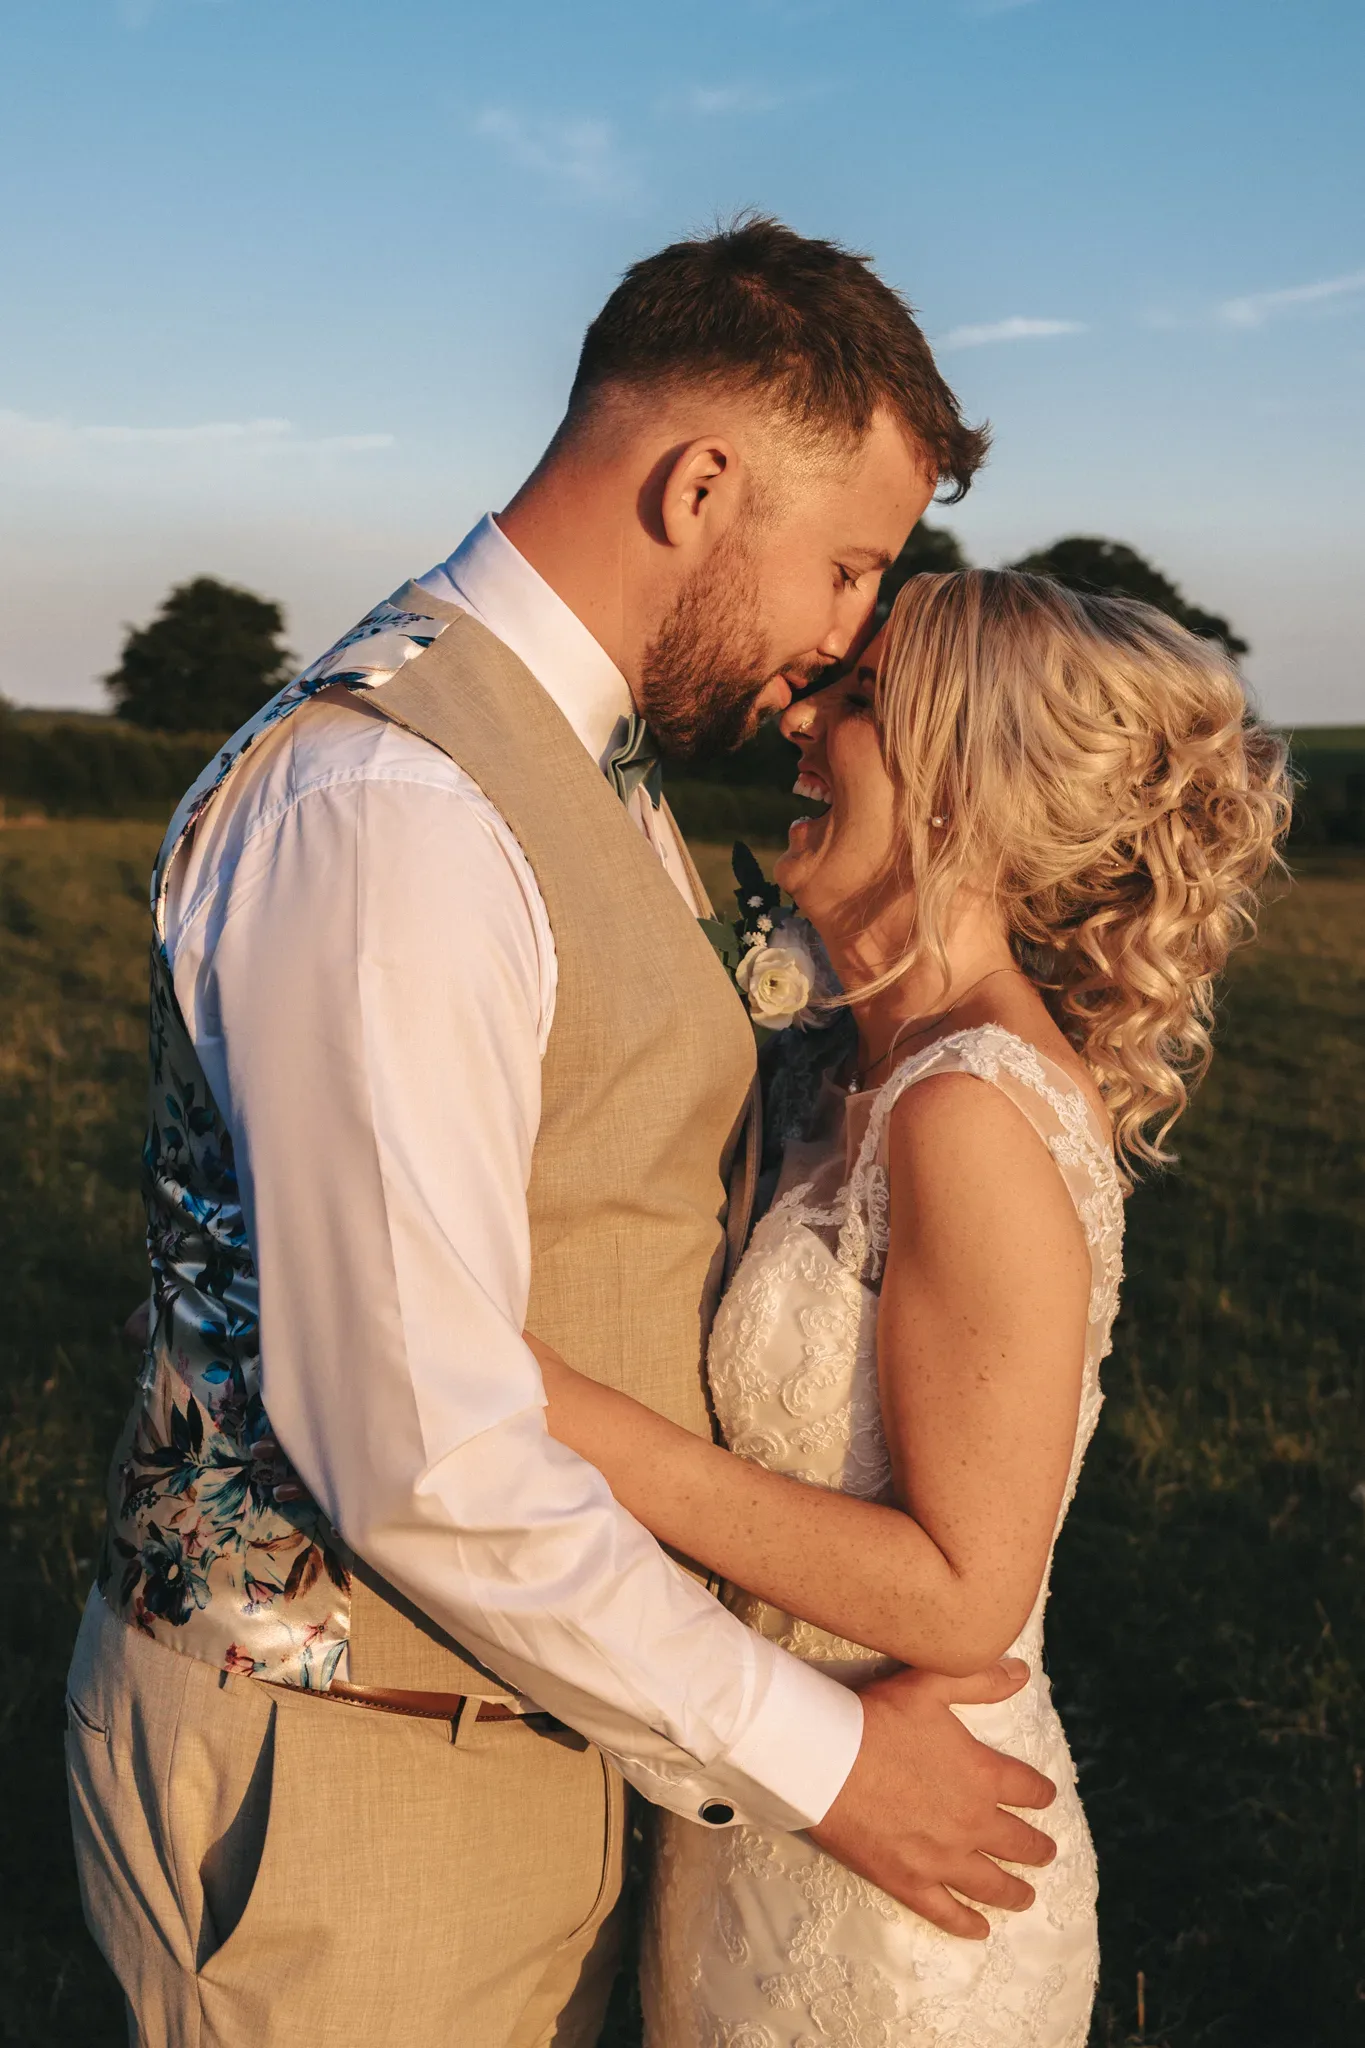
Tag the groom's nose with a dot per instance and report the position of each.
(851, 620)
(836, 643)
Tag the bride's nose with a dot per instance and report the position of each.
(799, 721)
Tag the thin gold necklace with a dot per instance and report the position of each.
(860, 1075)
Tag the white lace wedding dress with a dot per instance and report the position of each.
(757, 1939)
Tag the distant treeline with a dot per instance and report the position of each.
(1329, 804)
(214, 653)
(73, 767)
(67, 766)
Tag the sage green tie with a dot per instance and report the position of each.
(634, 762)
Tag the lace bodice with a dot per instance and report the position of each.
(765, 1926)
(793, 1354)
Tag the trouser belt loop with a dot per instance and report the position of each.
(464, 1722)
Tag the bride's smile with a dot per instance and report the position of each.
(846, 869)
(849, 848)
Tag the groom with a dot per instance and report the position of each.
(439, 1054)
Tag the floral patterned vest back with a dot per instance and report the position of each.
(214, 1547)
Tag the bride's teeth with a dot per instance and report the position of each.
(807, 786)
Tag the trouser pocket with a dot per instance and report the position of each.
(79, 1719)
(613, 1847)
(233, 1861)
(87, 1681)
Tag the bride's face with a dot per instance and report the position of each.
(837, 866)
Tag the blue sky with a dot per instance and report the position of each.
(294, 288)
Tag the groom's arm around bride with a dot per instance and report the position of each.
(441, 1054)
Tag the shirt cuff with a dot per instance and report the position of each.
(788, 1766)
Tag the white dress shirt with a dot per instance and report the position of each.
(367, 970)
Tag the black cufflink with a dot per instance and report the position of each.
(717, 1813)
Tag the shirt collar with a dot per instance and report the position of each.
(490, 578)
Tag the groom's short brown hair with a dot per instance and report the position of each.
(803, 320)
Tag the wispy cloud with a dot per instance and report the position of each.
(580, 155)
(719, 100)
(21, 433)
(1017, 328)
(738, 99)
(1256, 308)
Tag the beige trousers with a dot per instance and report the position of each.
(261, 1868)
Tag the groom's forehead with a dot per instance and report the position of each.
(874, 493)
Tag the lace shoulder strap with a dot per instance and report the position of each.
(1054, 1106)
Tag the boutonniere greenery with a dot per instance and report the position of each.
(771, 953)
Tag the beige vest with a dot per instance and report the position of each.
(647, 1083)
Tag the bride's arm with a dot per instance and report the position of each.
(981, 1338)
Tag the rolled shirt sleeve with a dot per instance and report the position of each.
(369, 981)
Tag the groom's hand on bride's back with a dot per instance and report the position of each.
(922, 1809)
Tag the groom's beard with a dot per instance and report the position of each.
(708, 661)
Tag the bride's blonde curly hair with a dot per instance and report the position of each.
(1096, 765)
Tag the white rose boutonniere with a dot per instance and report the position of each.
(777, 979)
(777, 962)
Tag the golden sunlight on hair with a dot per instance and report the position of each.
(1097, 769)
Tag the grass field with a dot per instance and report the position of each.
(1208, 1630)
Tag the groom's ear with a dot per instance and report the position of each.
(699, 488)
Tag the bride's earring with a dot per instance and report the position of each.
(938, 822)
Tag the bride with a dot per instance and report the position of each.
(1048, 815)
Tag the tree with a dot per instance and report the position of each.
(930, 550)
(206, 663)
(1086, 563)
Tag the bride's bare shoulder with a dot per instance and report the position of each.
(975, 1194)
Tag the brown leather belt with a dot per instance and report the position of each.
(425, 1706)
